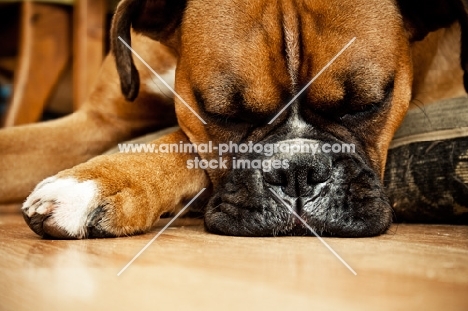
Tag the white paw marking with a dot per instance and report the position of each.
(68, 201)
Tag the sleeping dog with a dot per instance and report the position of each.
(246, 73)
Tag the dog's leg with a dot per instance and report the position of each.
(31, 153)
(113, 195)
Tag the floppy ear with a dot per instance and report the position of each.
(157, 19)
(423, 16)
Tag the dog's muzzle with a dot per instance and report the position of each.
(335, 193)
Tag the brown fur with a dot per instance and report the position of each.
(104, 119)
(136, 189)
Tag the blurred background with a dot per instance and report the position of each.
(50, 54)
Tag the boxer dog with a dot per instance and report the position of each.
(236, 64)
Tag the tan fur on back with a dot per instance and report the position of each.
(437, 71)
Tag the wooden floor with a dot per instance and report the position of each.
(413, 267)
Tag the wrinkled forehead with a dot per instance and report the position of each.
(264, 50)
(264, 37)
(245, 23)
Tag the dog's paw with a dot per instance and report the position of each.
(112, 195)
(65, 208)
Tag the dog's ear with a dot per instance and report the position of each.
(423, 16)
(157, 19)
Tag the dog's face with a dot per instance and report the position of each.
(259, 56)
(241, 62)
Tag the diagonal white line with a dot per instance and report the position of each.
(313, 231)
(313, 79)
(162, 80)
(160, 232)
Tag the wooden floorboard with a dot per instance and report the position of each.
(413, 267)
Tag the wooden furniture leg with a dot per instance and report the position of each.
(44, 52)
(88, 54)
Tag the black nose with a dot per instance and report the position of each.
(303, 173)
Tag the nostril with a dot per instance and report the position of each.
(317, 177)
(320, 171)
(276, 177)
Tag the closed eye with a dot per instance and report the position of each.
(355, 108)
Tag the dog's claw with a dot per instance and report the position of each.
(34, 222)
(38, 219)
